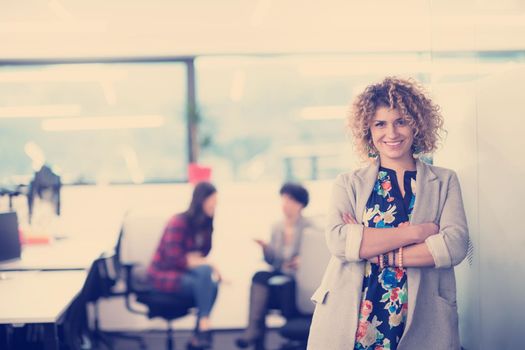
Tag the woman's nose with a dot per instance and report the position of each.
(391, 131)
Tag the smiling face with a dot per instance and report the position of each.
(391, 135)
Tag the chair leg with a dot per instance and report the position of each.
(260, 343)
(170, 342)
(100, 337)
(293, 345)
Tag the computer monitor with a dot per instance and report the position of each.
(10, 247)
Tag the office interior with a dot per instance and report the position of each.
(128, 102)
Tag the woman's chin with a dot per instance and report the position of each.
(396, 155)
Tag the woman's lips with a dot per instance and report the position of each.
(392, 143)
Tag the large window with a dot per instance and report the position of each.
(283, 117)
(94, 123)
(259, 117)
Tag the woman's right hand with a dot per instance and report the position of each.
(261, 243)
(425, 230)
(216, 274)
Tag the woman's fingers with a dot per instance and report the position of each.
(426, 230)
(261, 242)
(217, 276)
(294, 263)
(348, 219)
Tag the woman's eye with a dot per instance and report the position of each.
(379, 124)
(401, 122)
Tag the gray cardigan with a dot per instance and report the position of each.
(274, 252)
(432, 319)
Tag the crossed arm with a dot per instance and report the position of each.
(423, 245)
(378, 241)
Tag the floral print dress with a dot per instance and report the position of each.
(384, 304)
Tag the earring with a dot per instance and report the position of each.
(372, 153)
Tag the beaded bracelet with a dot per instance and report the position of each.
(394, 257)
(400, 257)
(381, 261)
(386, 260)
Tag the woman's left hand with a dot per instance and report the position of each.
(217, 276)
(349, 219)
(292, 264)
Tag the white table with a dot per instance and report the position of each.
(67, 254)
(33, 297)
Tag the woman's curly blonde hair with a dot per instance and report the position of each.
(409, 98)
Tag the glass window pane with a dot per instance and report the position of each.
(103, 123)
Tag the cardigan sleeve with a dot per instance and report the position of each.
(343, 240)
(449, 247)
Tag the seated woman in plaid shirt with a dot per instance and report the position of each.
(180, 264)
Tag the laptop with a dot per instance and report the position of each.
(10, 246)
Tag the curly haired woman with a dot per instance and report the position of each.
(396, 229)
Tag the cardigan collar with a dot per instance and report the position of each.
(369, 172)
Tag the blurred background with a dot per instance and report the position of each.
(120, 97)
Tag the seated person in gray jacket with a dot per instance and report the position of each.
(275, 289)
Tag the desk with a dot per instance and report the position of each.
(39, 298)
(39, 287)
(66, 254)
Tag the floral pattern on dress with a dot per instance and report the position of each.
(383, 186)
(384, 302)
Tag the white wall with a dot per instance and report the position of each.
(485, 146)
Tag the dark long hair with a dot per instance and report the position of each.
(197, 219)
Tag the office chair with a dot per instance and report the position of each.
(45, 184)
(141, 233)
(103, 277)
(314, 258)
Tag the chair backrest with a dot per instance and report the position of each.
(142, 230)
(314, 258)
(10, 246)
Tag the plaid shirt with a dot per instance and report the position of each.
(169, 262)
